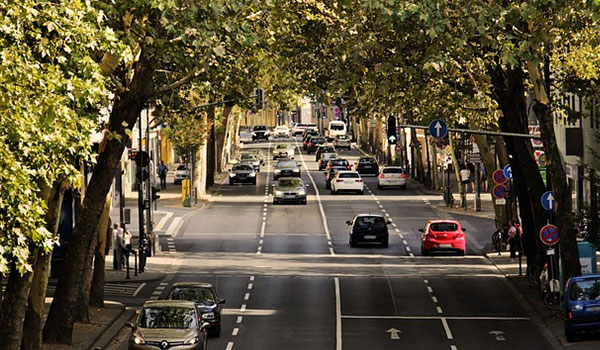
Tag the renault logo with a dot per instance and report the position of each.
(164, 344)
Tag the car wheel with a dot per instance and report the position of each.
(215, 332)
(461, 252)
(275, 201)
(231, 182)
(327, 185)
(361, 192)
(333, 191)
(570, 335)
(424, 251)
(385, 243)
(254, 182)
(379, 187)
(403, 187)
(351, 242)
(304, 201)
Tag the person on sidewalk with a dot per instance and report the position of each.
(514, 239)
(471, 168)
(465, 176)
(117, 243)
(162, 173)
(126, 245)
(484, 179)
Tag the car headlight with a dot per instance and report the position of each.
(277, 171)
(138, 339)
(302, 192)
(208, 315)
(296, 170)
(191, 341)
(231, 174)
(279, 193)
(252, 174)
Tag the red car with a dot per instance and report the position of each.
(443, 235)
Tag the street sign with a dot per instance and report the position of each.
(499, 191)
(438, 128)
(500, 201)
(549, 235)
(499, 177)
(392, 140)
(507, 171)
(394, 333)
(474, 157)
(548, 201)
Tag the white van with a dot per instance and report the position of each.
(336, 128)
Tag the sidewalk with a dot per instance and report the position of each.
(551, 324)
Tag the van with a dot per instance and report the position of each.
(336, 128)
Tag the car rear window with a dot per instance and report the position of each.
(259, 128)
(338, 162)
(191, 293)
(392, 171)
(336, 127)
(585, 290)
(286, 163)
(367, 160)
(370, 221)
(443, 226)
(290, 182)
(243, 167)
(349, 176)
(181, 167)
(281, 146)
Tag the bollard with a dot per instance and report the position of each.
(127, 263)
(135, 263)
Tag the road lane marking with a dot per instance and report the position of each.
(435, 300)
(426, 281)
(251, 278)
(407, 248)
(235, 331)
(250, 285)
(163, 221)
(243, 308)
(246, 296)
(411, 255)
(447, 329)
(404, 241)
(138, 289)
(429, 289)
(229, 346)
(338, 314)
(239, 319)
(173, 229)
(453, 347)
(439, 310)
(426, 317)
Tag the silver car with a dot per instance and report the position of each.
(391, 176)
(289, 189)
(342, 141)
(168, 324)
(251, 158)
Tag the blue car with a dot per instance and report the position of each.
(582, 305)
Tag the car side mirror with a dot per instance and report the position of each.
(421, 230)
(221, 301)
(464, 229)
(348, 222)
(306, 185)
(129, 325)
(388, 222)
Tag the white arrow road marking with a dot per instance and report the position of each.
(499, 335)
(394, 333)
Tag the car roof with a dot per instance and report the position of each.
(584, 277)
(349, 172)
(170, 303)
(193, 284)
(435, 221)
(368, 215)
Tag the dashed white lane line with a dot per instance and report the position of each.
(434, 299)
(408, 249)
(239, 319)
(246, 296)
(394, 225)
(229, 346)
(250, 285)
(404, 242)
(235, 331)
(429, 289)
(251, 278)
(439, 310)
(243, 308)
(411, 254)
(447, 329)
(453, 347)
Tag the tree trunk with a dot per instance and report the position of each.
(222, 138)
(509, 92)
(96, 295)
(33, 324)
(211, 151)
(554, 163)
(14, 307)
(126, 109)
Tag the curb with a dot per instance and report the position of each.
(112, 322)
(111, 332)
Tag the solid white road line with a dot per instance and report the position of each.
(338, 315)
(447, 329)
(163, 221)
(454, 318)
(138, 289)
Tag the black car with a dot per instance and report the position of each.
(313, 143)
(206, 299)
(309, 132)
(259, 132)
(368, 228)
(243, 172)
(286, 167)
(326, 148)
(330, 173)
(367, 165)
(289, 189)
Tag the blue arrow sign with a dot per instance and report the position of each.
(548, 200)
(508, 171)
(438, 128)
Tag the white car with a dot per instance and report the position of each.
(299, 128)
(391, 176)
(281, 131)
(283, 151)
(347, 181)
(342, 141)
(181, 173)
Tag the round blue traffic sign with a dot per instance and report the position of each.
(507, 171)
(499, 191)
(438, 128)
(549, 235)
(548, 200)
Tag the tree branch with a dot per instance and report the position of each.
(179, 83)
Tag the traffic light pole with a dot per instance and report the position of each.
(149, 187)
(140, 183)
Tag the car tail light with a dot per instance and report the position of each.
(348, 167)
(403, 176)
(358, 180)
(339, 180)
(382, 176)
(570, 315)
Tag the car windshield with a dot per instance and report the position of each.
(444, 226)
(392, 171)
(167, 317)
(281, 146)
(336, 127)
(259, 128)
(585, 290)
(192, 293)
(181, 167)
(338, 162)
(349, 176)
(281, 128)
(290, 182)
(329, 155)
(370, 221)
(247, 156)
(286, 164)
(243, 167)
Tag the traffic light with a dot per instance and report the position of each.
(259, 98)
(391, 130)
(155, 195)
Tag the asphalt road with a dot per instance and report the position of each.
(291, 280)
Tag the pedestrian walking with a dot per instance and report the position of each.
(126, 244)
(117, 243)
(484, 179)
(465, 176)
(162, 173)
(472, 174)
(514, 238)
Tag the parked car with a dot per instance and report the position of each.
(206, 299)
(391, 176)
(168, 324)
(259, 132)
(342, 141)
(281, 131)
(313, 143)
(581, 305)
(443, 235)
(367, 165)
(251, 158)
(243, 172)
(289, 189)
(349, 181)
(338, 163)
(283, 151)
(181, 173)
(323, 148)
(325, 158)
(368, 228)
(286, 168)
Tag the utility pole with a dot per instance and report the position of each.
(140, 188)
(148, 191)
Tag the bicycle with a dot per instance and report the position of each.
(549, 290)
(498, 241)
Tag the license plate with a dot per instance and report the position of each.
(445, 245)
(289, 196)
(348, 182)
(367, 167)
(593, 308)
(370, 237)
